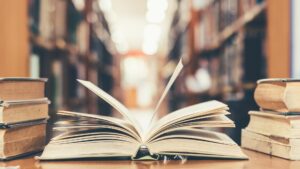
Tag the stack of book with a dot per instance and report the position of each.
(23, 114)
(275, 129)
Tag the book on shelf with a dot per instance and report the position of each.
(228, 13)
(281, 95)
(19, 140)
(182, 132)
(288, 148)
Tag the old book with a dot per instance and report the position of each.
(20, 140)
(287, 148)
(182, 132)
(280, 95)
(272, 124)
(23, 110)
(21, 89)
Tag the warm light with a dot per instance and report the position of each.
(201, 4)
(79, 4)
(152, 33)
(122, 47)
(118, 38)
(105, 5)
(155, 16)
(156, 10)
(135, 71)
(157, 5)
(150, 48)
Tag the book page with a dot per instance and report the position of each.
(196, 110)
(96, 120)
(210, 122)
(87, 133)
(209, 144)
(196, 134)
(113, 102)
(89, 149)
(171, 81)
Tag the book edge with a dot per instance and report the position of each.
(23, 79)
(277, 80)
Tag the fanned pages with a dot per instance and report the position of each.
(171, 81)
(112, 101)
(182, 132)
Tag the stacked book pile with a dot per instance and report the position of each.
(275, 129)
(23, 114)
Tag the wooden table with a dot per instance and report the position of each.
(257, 161)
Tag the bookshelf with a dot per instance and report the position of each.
(77, 45)
(234, 27)
(234, 43)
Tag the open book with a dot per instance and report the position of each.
(183, 132)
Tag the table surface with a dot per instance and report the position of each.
(256, 161)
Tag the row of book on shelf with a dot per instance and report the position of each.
(66, 46)
(224, 70)
(217, 16)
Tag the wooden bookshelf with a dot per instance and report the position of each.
(86, 51)
(247, 42)
(235, 27)
(14, 45)
(278, 35)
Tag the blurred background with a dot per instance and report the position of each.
(130, 49)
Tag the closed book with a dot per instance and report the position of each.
(280, 95)
(21, 89)
(272, 124)
(16, 141)
(287, 148)
(23, 110)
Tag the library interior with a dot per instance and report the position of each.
(154, 57)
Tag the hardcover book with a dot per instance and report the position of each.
(13, 89)
(287, 148)
(23, 139)
(180, 133)
(12, 112)
(281, 95)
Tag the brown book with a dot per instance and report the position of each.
(271, 124)
(21, 88)
(21, 111)
(280, 95)
(277, 146)
(22, 140)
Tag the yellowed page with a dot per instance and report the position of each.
(196, 110)
(171, 81)
(113, 102)
(122, 123)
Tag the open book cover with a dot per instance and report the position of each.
(180, 133)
